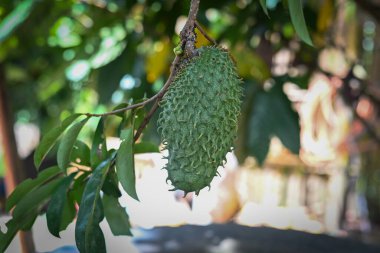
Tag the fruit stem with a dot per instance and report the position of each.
(188, 36)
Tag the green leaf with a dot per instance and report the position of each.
(26, 211)
(99, 147)
(126, 134)
(50, 139)
(60, 207)
(264, 6)
(88, 235)
(69, 212)
(78, 187)
(287, 127)
(67, 143)
(260, 124)
(28, 225)
(273, 115)
(138, 116)
(80, 153)
(125, 164)
(120, 106)
(116, 216)
(110, 186)
(15, 18)
(29, 185)
(145, 147)
(36, 198)
(14, 225)
(298, 20)
(260, 143)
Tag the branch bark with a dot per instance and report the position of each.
(187, 34)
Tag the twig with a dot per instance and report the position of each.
(159, 97)
(134, 106)
(188, 39)
(204, 33)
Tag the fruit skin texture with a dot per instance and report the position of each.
(198, 122)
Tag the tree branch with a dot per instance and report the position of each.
(159, 97)
(188, 39)
(134, 106)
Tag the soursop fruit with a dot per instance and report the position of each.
(198, 122)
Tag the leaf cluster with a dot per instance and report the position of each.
(85, 178)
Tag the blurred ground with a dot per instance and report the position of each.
(214, 238)
(233, 238)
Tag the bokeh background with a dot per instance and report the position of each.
(307, 156)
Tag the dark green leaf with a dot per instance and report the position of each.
(287, 127)
(58, 202)
(99, 147)
(15, 18)
(145, 147)
(264, 6)
(120, 106)
(259, 144)
(14, 225)
(28, 225)
(69, 212)
(50, 139)
(116, 216)
(122, 125)
(260, 127)
(67, 143)
(125, 164)
(273, 115)
(138, 116)
(110, 186)
(29, 185)
(81, 153)
(26, 211)
(88, 235)
(298, 20)
(126, 134)
(78, 187)
(36, 198)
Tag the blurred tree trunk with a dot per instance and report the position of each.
(14, 172)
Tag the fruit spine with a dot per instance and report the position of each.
(198, 122)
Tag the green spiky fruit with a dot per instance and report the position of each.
(198, 121)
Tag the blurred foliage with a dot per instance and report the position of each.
(61, 57)
(88, 56)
